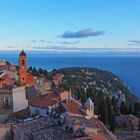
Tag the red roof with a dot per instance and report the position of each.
(44, 101)
(30, 79)
(98, 136)
(73, 106)
(5, 76)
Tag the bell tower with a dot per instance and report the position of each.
(22, 68)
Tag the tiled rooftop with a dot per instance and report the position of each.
(46, 100)
(24, 131)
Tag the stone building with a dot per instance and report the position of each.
(43, 85)
(12, 100)
(44, 104)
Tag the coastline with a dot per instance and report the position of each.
(127, 68)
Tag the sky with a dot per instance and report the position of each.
(69, 25)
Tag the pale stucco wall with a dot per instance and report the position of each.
(40, 111)
(19, 99)
(12, 75)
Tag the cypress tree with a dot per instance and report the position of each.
(139, 124)
(136, 108)
(124, 109)
(115, 106)
(112, 120)
(83, 98)
(102, 109)
(111, 115)
(109, 107)
(130, 110)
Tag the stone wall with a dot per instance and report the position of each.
(5, 132)
(19, 99)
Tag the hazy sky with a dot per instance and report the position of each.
(69, 24)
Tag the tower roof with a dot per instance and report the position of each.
(89, 102)
(22, 53)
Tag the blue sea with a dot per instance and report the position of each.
(127, 68)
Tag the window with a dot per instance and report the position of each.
(23, 62)
(6, 102)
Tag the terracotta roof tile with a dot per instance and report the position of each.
(73, 106)
(46, 100)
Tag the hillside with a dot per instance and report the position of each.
(92, 81)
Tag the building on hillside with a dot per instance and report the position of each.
(25, 77)
(46, 128)
(12, 100)
(82, 121)
(128, 121)
(82, 127)
(19, 99)
(12, 74)
(10, 70)
(119, 96)
(57, 79)
(6, 81)
(43, 85)
(31, 92)
(44, 104)
(75, 108)
(2, 63)
(3, 68)
(89, 108)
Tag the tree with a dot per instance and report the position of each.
(83, 98)
(78, 94)
(115, 105)
(102, 109)
(123, 108)
(139, 124)
(112, 120)
(111, 115)
(136, 108)
(109, 107)
(130, 110)
(30, 68)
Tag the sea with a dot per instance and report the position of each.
(126, 67)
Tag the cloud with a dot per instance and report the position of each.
(88, 51)
(11, 46)
(57, 42)
(42, 40)
(82, 33)
(67, 43)
(49, 42)
(135, 41)
(33, 40)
